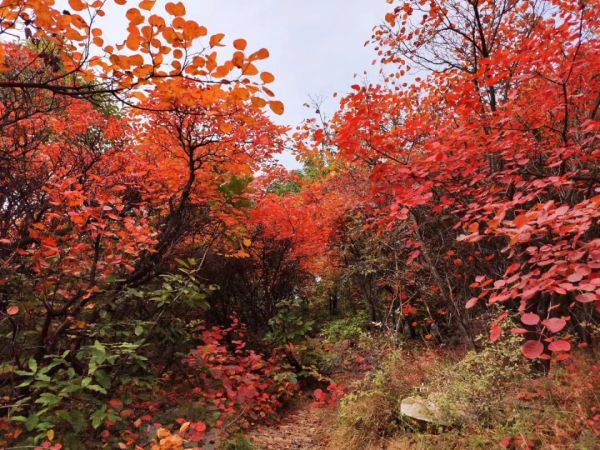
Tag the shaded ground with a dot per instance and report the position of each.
(304, 427)
(301, 429)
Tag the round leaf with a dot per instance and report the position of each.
(530, 319)
(277, 107)
(559, 346)
(533, 349)
(555, 324)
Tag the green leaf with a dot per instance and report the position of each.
(103, 379)
(98, 416)
(19, 419)
(75, 418)
(42, 377)
(32, 363)
(96, 388)
(138, 330)
(48, 399)
(32, 422)
(70, 389)
(98, 346)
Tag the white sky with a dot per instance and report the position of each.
(316, 46)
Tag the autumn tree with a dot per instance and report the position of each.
(100, 198)
(488, 163)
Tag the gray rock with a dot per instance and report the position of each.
(421, 409)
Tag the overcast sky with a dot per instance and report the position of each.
(316, 46)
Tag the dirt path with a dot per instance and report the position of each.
(306, 428)
(301, 429)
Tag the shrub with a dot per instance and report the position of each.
(238, 442)
(349, 328)
(371, 412)
(290, 323)
(473, 391)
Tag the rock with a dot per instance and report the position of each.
(420, 409)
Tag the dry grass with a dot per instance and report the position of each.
(560, 411)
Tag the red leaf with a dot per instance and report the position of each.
(533, 349)
(586, 298)
(115, 403)
(519, 331)
(575, 277)
(471, 303)
(495, 332)
(555, 324)
(559, 346)
(530, 319)
(12, 310)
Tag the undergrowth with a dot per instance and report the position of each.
(486, 399)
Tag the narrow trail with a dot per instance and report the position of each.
(305, 427)
(301, 429)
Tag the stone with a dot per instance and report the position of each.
(420, 409)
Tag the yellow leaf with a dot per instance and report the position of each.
(184, 427)
(247, 242)
(50, 435)
(162, 433)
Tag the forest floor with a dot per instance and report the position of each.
(557, 411)
(303, 428)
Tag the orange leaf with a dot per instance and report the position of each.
(240, 44)
(263, 53)
(175, 9)
(147, 4)
(216, 39)
(77, 5)
(267, 77)
(277, 107)
(250, 70)
(521, 221)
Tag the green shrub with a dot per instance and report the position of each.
(473, 391)
(70, 401)
(349, 328)
(290, 323)
(370, 413)
(238, 442)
